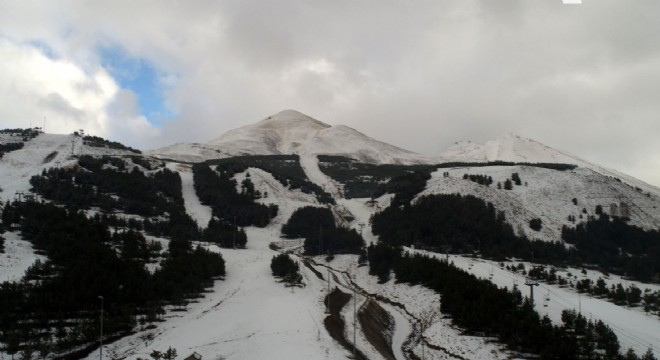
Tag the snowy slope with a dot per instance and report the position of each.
(199, 212)
(247, 316)
(16, 167)
(633, 327)
(548, 196)
(290, 132)
(514, 148)
(18, 257)
(251, 316)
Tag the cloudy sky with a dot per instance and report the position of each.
(418, 74)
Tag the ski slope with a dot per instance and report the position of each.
(547, 195)
(249, 315)
(633, 327)
(198, 211)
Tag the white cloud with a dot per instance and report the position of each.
(35, 87)
(575, 77)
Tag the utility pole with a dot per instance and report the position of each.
(234, 232)
(328, 301)
(101, 336)
(321, 240)
(354, 317)
(579, 304)
(421, 340)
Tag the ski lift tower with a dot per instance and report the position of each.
(531, 283)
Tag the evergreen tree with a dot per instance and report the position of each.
(648, 355)
(535, 224)
(169, 354)
(508, 185)
(516, 179)
(286, 268)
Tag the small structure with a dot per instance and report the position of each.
(614, 209)
(194, 356)
(623, 210)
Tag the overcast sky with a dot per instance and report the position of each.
(417, 74)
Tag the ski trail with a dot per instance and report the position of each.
(199, 212)
(310, 165)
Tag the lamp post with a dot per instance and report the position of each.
(355, 311)
(101, 336)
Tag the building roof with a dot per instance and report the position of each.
(194, 356)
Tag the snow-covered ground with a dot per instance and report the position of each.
(514, 148)
(199, 212)
(414, 307)
(18, 257)
(247, 316)
(250, 315)
(17, 167)
(310, 165)
(547, 194)
(290, 132)
(633, 327)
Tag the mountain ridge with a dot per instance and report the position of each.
(228, 311)
(291, 132)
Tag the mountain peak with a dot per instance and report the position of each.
(508, 147)
(291, 118)
(292, 132)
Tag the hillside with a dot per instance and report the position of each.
(548, 195)
(513, 148)
(290, 132)
(161, 222)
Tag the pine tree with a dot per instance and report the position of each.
(648, 355)
(170, 354)
(516, 179)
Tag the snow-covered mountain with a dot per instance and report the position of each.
(509, 147)
(514, 148)
(291, 132)
(251, 316)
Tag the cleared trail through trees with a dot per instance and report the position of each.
(199, 212)
(310, 164)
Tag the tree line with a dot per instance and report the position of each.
(317, 226)
(480, 307)
(96, 141)
(55, 307)
(217, 189)
(362, 180)
(617, 246)
(110, 184)
(466, 224)
(284, 168)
